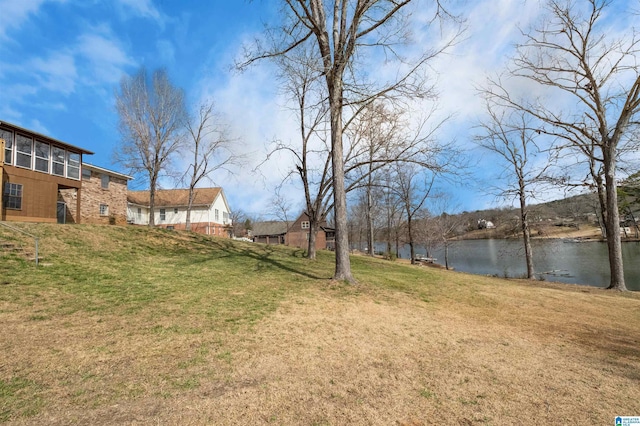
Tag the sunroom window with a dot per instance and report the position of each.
(57, 161)
(42, 157)
(23, 151)
(8, 145)
(73, 165)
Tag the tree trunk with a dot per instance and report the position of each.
(187, 225)
(412, 250)
(612, 224)
(446, 255)
(388, 235)
(526, 236)
(343, 264)
(369, 221)
(152, 202)
(313, 235)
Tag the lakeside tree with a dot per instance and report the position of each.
(591, 75)
(209, 149)
(511, 136)
(439, 228)
(341, 31)
(151, 114)
(412, 186)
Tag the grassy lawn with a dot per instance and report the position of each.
(126, 325)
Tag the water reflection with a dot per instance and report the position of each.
(554, 260)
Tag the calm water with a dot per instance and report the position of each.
(575, 263)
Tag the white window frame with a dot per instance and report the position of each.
(163, 214)
(7, 135)
(305, 224)
(12, 191)
(42, 157)
(20, 153)
(55, 161)
(104, 209)
(73, 165)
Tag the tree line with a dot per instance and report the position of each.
(564, 112)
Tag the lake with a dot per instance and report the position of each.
(554, 260)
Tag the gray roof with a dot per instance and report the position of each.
(271, 227)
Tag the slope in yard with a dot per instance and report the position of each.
(131, 325)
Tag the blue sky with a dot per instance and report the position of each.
(62, 61)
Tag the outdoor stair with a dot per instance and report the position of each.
(12, 248)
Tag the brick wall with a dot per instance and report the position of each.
(93, 195)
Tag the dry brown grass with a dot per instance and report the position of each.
(408, 346)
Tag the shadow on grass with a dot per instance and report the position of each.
(261, 253)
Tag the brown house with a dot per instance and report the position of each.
(37, 172)
(269, 232)
(297, 234)
(104, 197)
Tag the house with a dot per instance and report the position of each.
(37, 172)
(296, 235)
(104, 197)
(485, 224)
(210, 213)
(269, 232)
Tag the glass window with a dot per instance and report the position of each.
(104, 210)
(57, 161)
(13, 196)
(175, 211)
(105, 181)
(23, 151)
(163, 214)
(86, 174)
(7, 135)
(225, 217)
(217, 215)
(304, 224)
(42, 157)
(139, 213)
(73, 165)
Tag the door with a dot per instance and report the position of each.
(62, 212)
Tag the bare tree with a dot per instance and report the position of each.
(240, 223)
(440, 227)
(151, 114)
(574, 57)
(303, 83)
(392, 206)
(281, 208)
(373, 139)
(340, 31)
(209, 147)
(511, 136)
(413, 187)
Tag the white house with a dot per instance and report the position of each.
(210, 213)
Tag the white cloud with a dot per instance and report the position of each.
(104, 58)
(57, 72)
(16, 13)
(145, 9)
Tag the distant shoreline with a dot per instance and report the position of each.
(586, 233)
